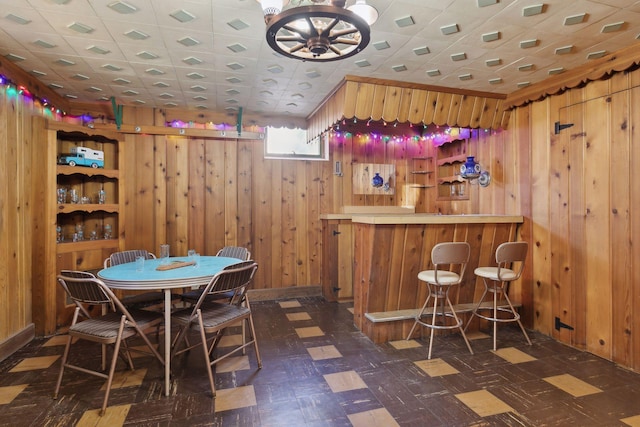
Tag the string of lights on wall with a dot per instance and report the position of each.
(441, 135)
(14, 89)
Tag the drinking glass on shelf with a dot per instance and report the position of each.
(452, 189)
(75, 197)
(164, 254)
(107, 231)
(461, 190)
(62, 195)
(102, 196)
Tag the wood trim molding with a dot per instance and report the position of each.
(17, 341)
(597, 69)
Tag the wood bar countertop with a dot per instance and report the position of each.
(435, 219)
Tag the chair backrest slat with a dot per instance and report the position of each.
(235, 278)
(235, 252)
(124, 257)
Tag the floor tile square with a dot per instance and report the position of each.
(293, 317)
(113, 416)
(126, 378)
(289, 304)
(311, 331)
(230, 340)
(344, 381)
(484, 403)
(234, 398)
(404, 344)
(56, 340)
(572, 385)
(436, 367)
(632, 421)
(374, 418)
(8, 393)
(513, 355)
(32, 363)
(231, 364)
(476, 335)
(324, 352)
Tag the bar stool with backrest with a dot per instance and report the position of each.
(444, 257)
(510, 257)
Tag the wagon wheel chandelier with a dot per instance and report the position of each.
(318, 32)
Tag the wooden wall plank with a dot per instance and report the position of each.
(391, 104)
(366, 101)
(418, 102)
(215, 188)
(621, 247)
(443, 105)
(634, 125)
(541, 251)
(405, 104)
(559, 168)
(576, 241)
(196, 195)
(597, 193)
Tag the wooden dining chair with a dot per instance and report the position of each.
(211, 319)
(111, 328)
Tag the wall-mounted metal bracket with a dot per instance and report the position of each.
(559, 325)
(559, 127)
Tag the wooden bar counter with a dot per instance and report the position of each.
(390, 250)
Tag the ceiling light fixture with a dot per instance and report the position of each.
(321, 31)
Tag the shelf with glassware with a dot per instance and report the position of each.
(422, 172)
(87, 197)
(450, 157)
(80, 215)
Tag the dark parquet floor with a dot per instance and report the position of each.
(318, 370)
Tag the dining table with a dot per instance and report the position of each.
(166, 275)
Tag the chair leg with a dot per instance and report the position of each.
(205, 350)
(495, 317)
(475, 309)
(506, 297)
(419, 316)
(433, 324)
(252, 330)
(62, 366)
(459, 323)
(112, 368)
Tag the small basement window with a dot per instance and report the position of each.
(285, 143)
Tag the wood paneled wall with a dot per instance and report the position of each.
(15, 220)
(585, 215)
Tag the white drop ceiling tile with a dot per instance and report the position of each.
(144, 15)
(254, 19)
(48, 6)
(421, 14)
(118, 29)
(201, 10)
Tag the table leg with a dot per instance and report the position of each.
(167, 341)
